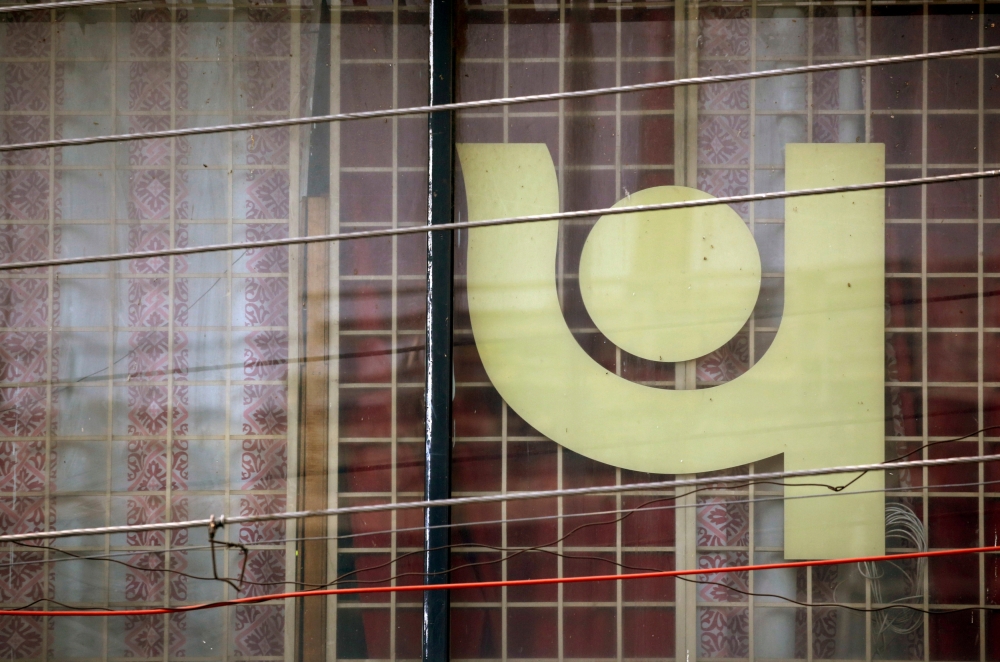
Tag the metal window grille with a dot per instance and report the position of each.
(941, 348)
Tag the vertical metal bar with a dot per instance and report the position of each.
(49, 350)
(685, 372)
(232, 339)
(925, 432)
(318, 177)
(335, 618)
(980, 367)
(438, 390)
(171, 312)
(394, 540)
(504, 429)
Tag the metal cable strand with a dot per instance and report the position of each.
(411, 588)
(7, 9)
(419, 229)
(543, 549)
(464, 546)
(503, 101)
(889, 464)
(492, 498)
(644, 508)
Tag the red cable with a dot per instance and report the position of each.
(509, 582)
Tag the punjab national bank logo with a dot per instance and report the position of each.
(675, 285)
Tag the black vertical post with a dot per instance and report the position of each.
(318, 177)
(438, 391)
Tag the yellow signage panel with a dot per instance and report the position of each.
(816, 396)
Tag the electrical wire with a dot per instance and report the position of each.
(894, 461)
(517, 551)
(368, 534)
(755, 594)
(460, 525)
(132, 566)
(64, 4)
(901, 522)
(534, 218)
(728, 587)
(624, 514)
(707, 572)
(133, 351)
(514, 496)
(504, 101)
(458, 342)
(454, 586)
(212, 542)
(212, 525)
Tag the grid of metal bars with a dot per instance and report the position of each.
(381, 174)
(805, 586)
(954, 229)
(365, 393)
(936, 415)
(555, 623)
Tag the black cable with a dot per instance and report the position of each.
(517, 551)
(914, 452)
(625, 566)
(56, 602)
(461, 525)
(132, 351)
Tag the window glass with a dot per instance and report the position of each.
(267, 380)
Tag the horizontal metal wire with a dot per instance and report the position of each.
(462, 525)
(494, 498)
(69, 4)
(7, 9)
(104, 612)
(504, 101)
(461, 225)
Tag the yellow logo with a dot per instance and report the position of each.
(675, 285)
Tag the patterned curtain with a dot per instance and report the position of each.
(739, 154)
(150, 390)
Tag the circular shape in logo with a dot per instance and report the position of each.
(670, 285)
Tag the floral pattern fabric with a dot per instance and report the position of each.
(113, 404)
